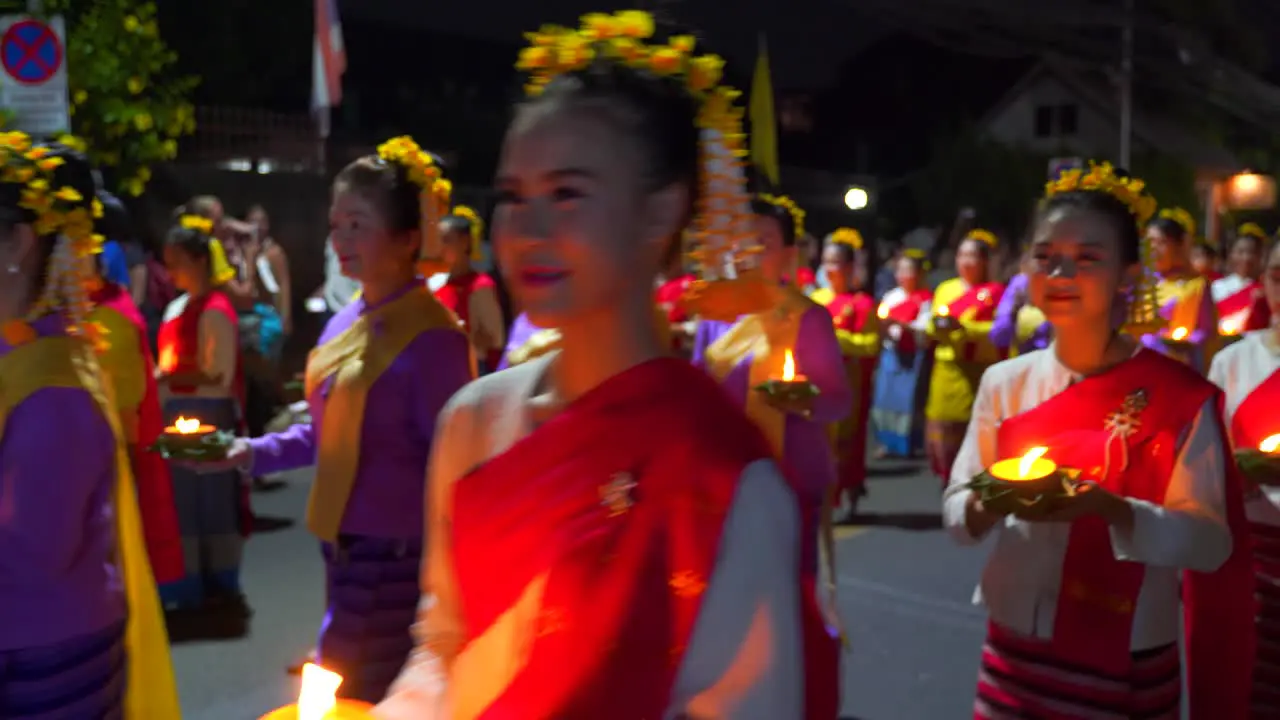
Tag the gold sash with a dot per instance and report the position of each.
(765, 337)
(70, 363)
(544, 341)
(355, 359)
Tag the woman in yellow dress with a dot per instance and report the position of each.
(960, 328)
(1186, 304)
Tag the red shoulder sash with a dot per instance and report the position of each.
(850, 311)
(1256, 418)
(154, 483)
(908, 310)
(1120, 428)
(620, 501)
(980, 301)
(1243, 310)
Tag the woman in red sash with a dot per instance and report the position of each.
(1084, 595)
(125, 357)
(1239, 296)
(469, 293)
(1249, 374)
(200, 376)
(963, 311)
(857, 326)
(588, 509)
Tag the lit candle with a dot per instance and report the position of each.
(317, 701)
(1271, 445)
(789, 374)
(943, 311)
(1230, 327)
(168, 361)
(1029, 467)
(882, 312)
(1178, 335)
(188, 428)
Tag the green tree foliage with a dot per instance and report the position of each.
(997, 181)
(127, 103)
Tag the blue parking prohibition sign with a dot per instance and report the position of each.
(30, 52)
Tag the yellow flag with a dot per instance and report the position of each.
(764, 130)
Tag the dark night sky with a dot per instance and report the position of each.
(808, 39)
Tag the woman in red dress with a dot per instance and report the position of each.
(469, 293)
(1084, 590)
(589, 508)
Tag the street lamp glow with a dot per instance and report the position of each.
(856, 198)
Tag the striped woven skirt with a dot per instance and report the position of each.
(372, 587)
(80, 678)
(1021, 680)
(1266, 669)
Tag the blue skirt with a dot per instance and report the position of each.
(78, 679)
(372, 587)
(895, 412)
(210, 514)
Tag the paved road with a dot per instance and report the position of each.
(904, 594)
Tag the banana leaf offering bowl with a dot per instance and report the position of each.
(1005, 491)
(789, 390)
(1259, 467)
(206, 443)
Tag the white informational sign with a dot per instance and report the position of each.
(33, 85)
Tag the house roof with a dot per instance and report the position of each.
(1094, 90)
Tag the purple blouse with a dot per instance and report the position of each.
(806, 445)
(521, 331)
(399, 423)
(57, 528)
(1004, 327)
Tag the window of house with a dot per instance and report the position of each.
(1068, 119)
(1044, 121)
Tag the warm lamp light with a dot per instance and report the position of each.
(882, 312)
(943, 311)
(1178, 334)
(317, 700)
(188, 426)
(857, 198)
(789, 367)
(1270, 445)
(1250, 191)
(1031, 466)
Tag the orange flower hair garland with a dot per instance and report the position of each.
(797, 214)
(1252, 230)
(63, 212)
(846, 236)
(434, 192)
(723, 233)
(1102, 178)
(986, 237)
(1182, 218)
(477, 228)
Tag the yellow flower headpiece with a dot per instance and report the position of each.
(782, 201)
(986, 237)
(846, 236)
(1182, 218)
(434, 192)
(722, 229)
(1252, 230)
(919, 256)
(1102, 178)
(59, 211)
(199, 223)
(477, 229)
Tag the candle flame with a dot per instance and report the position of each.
(1179, 333)
(168, 360)
(187, 426)
(788, 367)
(1270, 445)
(1230, 327)
(882, 312)
(318, 695)
(943, 310)
(1029, 460)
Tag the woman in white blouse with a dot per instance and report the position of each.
(1083, 587)
(1249, 374)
